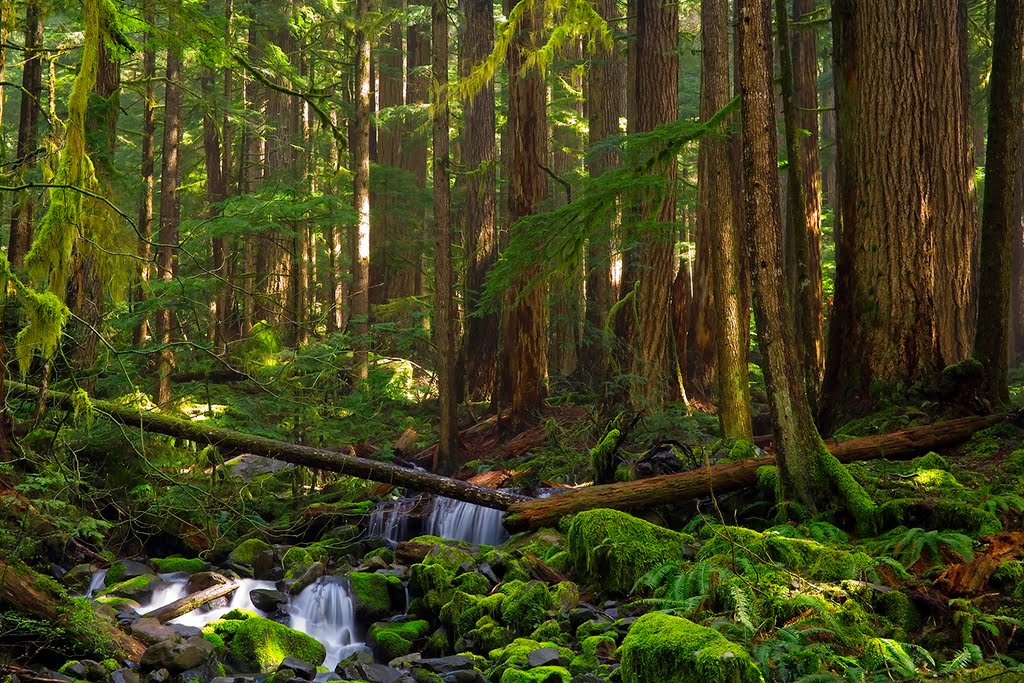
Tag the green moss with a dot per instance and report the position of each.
(385, 554)
(179, 564)
(239, 614)
(295, 562)
(245, 552)
(516, 654)
(930, 461)
(895, 606)
(472, 583)
(741, 449)
(486, 636)
(118, 603)
(769, 482)
(445, 552)
(593, 649)
(620, 548)
(542, 674)
(525, 606)
(395, 639)
(1014, 463)
(561, 561)
(670, 649)
(549, 630)
(371, 594)
(130, 587)
(955, 514)
(115, 574)
(217, 640)
(262, 644)
(433, 582)
(463, 611)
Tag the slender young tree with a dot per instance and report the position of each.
(170, 208)
(727, 250)
(23, 211)
(811, 476)
(146, 170)
(1006, 92)
(361, 194)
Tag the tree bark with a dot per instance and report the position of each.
(726, 252)
(167, 249)
(1006, 91)
(907, 250)
(191, 602)
(361, 195)
(146, 170)
(480, 229)
(1017, 284)
(523, 362)
(23, 211)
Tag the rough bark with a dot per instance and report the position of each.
(216, 192)
(191, 602)
(23, 211)
(731, 318)
(1017, 284)
(361, 195)
(147, 146)
(167, 249)
(480, 228)
(523, 362)
(655, 85)
(1006, 90)
(907, 250)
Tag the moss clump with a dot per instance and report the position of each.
(385, 554)
(239, 614)
(593, 649)
(525, 606)
(741, 449)
(433, 582)
(261, 644)
(619, 547)
(1014, 463)
(395, 639)
(549, 630)
(179, 564)
(472, 583)
(463, 611)
(217, 640)
(131, 588)
(930, 461)
(516, 654)
(542, 674)
(445, 552)
(371, 594)
(295, 562)
(670, 649)
(955, 514)
(488, 635)
(245, 552)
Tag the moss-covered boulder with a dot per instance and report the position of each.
(596, 650)
(620, 548)
(167, 565)
(526, 605)
(668, 649)
(139, 588)
(542, 674)
(260, 644)
(391, 639)
(516, 656)
(122, 570)
(296, 561)
(372, 594)
(245, 552)
(463, 611)
(434, 582)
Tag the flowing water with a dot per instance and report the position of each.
(324, 610)
(391, 521)
(461, 521)
(96, 583)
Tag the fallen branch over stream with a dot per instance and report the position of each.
(191, 602)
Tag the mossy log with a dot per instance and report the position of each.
(316, 458)
(191, 602)
(33, 594)
(726, 477)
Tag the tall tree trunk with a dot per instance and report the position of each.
(604, 108)
(6, 14)
(23, 211)
(799, 66)
(148, 146)
(810, 474)
(727, 249)
(333, 282)
(216, 192)
(655, 79)
(523, 362)
(1006, 92)
(361, 194)
(907, 251)
(1017, 284)
(225, 295)
(167, 249)
(252, 166)
(444, 275)
(480, 228)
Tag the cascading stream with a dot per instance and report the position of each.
(325, 611)
(461, 521)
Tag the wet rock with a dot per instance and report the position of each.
(177, 656)
(158, 676)
(264, 564)
(234, 679)
(186, 632)
(488, 573)
(200, 674)
(315, 571)
(374, 563)
(54, 676)
(267, 600)
(94, 671)
(122, 570)
(123, 676)
(301, 669)
(150, 631)
(75, 669)
(77, 578)
(203, 580)
(443, 665)
(545, 656)
(361, 667)
(464, 676)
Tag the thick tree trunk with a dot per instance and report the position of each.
(480, 228)
(167, 250)
(726, 248)
(655, 79)
(1017, 283)
(216, 192)
(907, 250)
(724, 478)
(1006, 91)
(148, 146)
(523, 363)
(444, 275)
(23, 211)
(361, 195)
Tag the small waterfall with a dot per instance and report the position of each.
(460, 521)
(325, 611)
(390, 521)
(96, 583)
(239, 600)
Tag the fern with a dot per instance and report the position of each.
(967, 657)
(914, 543)
(885, 654)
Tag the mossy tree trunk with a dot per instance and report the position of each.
(998, 230)
(727, 250)
(146, 172)
(811, 476)
(361, 194)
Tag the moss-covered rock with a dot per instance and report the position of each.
(549, 630)
(541, 674)
(391, 639)
(487, 635)
(595, 649)
(668, 649)
(372, 593)
(245, 552)
(434, 583)
(295, 562)
(180, 564)
(472, 583)
(526, 605)
(446, 552)
(260, 644)
(620, 548)
(1014, 463)
(463, 611)
(138, 588)
(516, 655)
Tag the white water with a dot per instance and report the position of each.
(390, 521)
(460, 521)
(239, 600)
(324, 610)
(96, 583)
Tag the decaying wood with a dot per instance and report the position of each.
(970, 578)
(316, 458)
(191, 602)
(21, 589)
(493, 479)
(723, 478)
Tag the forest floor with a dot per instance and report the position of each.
(720, 589)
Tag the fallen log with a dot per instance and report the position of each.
(25, 591)
(316, 458)
(191, 602)
(723, 478)
(971, 578)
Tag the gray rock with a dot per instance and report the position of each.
(374, 563)
(158, 676)
(267, 600)
(545, 656)
(94, 671)
(201, 674)
(464, 676)
(443, 665)
(77, 578)
(315, 571)
(264, 565)
(123, 676)
(588, 678)
(203, 580)
(361, 667)
(75, 670)
(131, 569)
(51, 675)
(302, 669)
(186, 631)
(150, 631)
(488, 573)
(177, 656)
